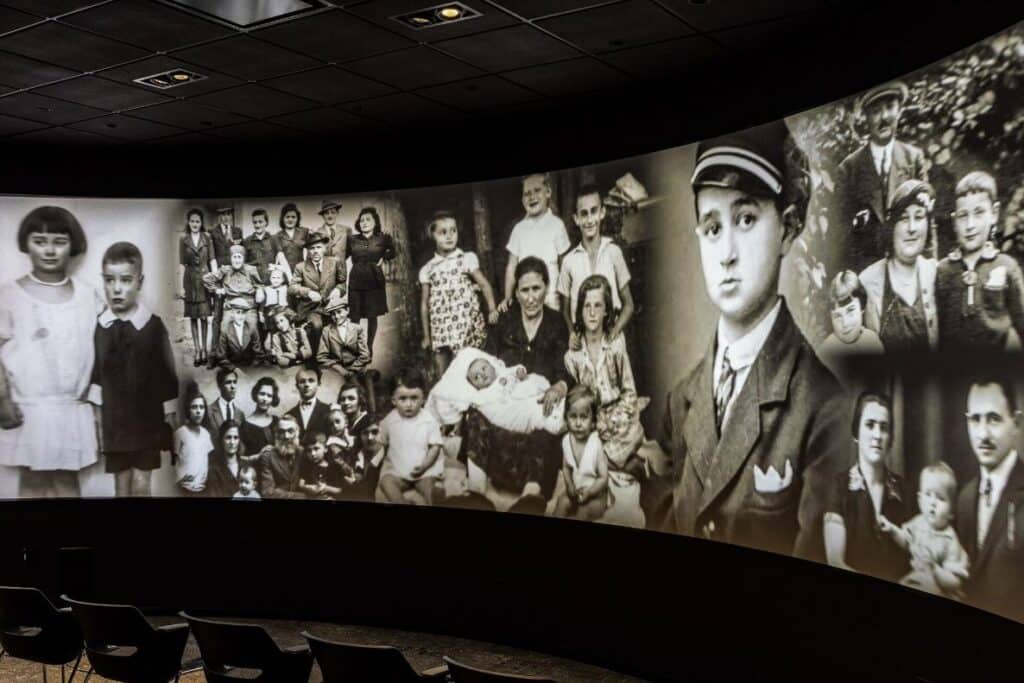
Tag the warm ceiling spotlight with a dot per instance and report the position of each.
(170, 79)
(428, 17)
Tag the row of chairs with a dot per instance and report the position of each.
(122, 645)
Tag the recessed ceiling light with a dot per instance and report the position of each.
(428, 17)
(170, 79)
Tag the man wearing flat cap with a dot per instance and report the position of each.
(239, 343)
(313, 282)
(868, 177)
(755, 429)
(337, 235)
(343, 345)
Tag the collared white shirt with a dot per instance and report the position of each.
(224, 409)
(576, 268)
(882, 154)
(742, 353)
(544, 237)
(306, 411)
(239, 332)
(987, 506)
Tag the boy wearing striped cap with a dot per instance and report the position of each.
(755, 427)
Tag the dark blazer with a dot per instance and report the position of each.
(996, 578)
(230, 350)
(790, 410)
(859, 188)
(305, 279)
(279, 477)
(351, 353)
(215, 418)
(318, 421)
(222, 246)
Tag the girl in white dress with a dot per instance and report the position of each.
(47, 322)
(583, 490)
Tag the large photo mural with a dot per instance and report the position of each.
(804, 337)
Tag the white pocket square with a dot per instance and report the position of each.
(770, 481)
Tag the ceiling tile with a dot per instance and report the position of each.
(186, 139)
(21, 72)
(754, 36)
(69, 47)
(147, 24)
(64, 136)
(101, 93)
(329, 85)
(45, 109)
(531, 9)
(665, 58)
(255, 130)
(712, 16)
(125, 127)
(508, 48)
(381, 11)
(323, 120)
(246, 57)
(254, 100)
(9, 125)
(414, 68)
(333, 36)
(627, 24)
(567, 78)
(155, 65)
(49, 8)
(479, 93)
(400, 108)
(12, 19)
(184, 114)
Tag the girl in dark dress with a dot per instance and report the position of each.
(522, 468)
(369, 246)
(226, 461)
(196, 258)
(862, 494)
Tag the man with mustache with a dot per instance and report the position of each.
(990, 507)
(755, 431)
(279, 463)
(866, 178)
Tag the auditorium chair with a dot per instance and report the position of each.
(31, 628)
(246, 652)
(340, 662)
(460, 673)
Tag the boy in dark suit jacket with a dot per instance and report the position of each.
(868, 177)
(754, 431)
(311, 413)
(343, 346)
(990, 507)
(239, 343)
(313, 282)
(223, 407)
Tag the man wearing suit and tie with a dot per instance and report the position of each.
(756, 429)
(990, 507)
(337, 235)
(868, 177)
(239, 342)
(223, 407)
(223, 237)
(311, 413)
(343, 346)
(312, 283)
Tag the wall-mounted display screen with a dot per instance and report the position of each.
(804, 337)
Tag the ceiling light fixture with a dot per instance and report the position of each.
(438, 15)
(169, 79)
(248, 13)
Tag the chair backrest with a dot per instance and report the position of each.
(229, 644)
(105, 625)
(32, 628)
(350, 662)
(460, 673)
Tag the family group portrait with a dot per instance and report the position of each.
(803, 337)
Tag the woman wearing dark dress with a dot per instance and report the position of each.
(519, 467)
(901, 287)
(226, 461)
(196, 258)
(257, 430)
(853, 539)
(369, 246)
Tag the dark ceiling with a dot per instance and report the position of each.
(645, 74)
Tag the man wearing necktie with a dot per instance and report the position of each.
(223, 407)
(754, 432)
(313, 282)
(990, 508)
(311, 413)
(866, 178)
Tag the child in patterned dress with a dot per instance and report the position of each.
(449, 306)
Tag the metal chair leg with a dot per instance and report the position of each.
(44, 674)
(88, 676)
(62, 674)
(74, 669)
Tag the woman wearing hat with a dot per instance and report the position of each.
(901, 286)
(369, 246)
